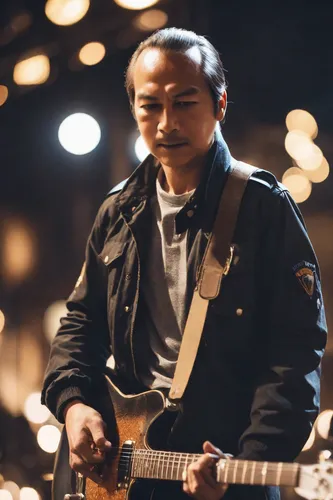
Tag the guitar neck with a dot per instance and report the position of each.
(170, 465)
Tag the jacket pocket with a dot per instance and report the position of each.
(113, 257)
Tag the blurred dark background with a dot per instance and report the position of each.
(278, 57)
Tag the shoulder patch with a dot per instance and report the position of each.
(304, 272)
(118, 187)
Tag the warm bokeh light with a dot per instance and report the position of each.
(79, 134)
(3, 94)
(141, 149)
(310, 441)
(151, 20)
(13, 488)
(297, 184)
(19, 251)
(323, 423)
(52, 318)
(136, 4)
(48, 438)
(34, 411)
(66, 12)
(92, 53)
(299, 119)
(32, 71)
(5, 495)
(21, 22)
(313, 161)
(320, 174)
(28, 494)
(2, 321)
(298, 145)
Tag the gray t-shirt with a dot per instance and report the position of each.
(164, 290)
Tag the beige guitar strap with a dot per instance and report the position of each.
(215, 264)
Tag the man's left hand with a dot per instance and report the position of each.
(199, 480)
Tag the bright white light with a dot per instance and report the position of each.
(66, 12)
(32, 71)
(5, 495)
(298, 145)
(299, 119)
(12, 488)
(28, 494)
(141, 149)
(48, 438)
(79, 134)
(52, 317)
(313, 160)
(323, 423)
(34, 411)
(136, 4)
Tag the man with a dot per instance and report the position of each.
(254, 389)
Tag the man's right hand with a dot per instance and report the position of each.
(86, 436)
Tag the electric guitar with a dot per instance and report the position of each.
(131, 459)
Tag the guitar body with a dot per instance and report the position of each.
(129, 420)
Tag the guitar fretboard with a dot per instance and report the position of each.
(170, 465)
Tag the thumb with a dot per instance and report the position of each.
(97, 431)
(208, 447)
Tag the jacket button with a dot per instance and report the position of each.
(106, 259)
(239, 312)
(126, 308)
(128, 276)
(190, 213)
(133, 209)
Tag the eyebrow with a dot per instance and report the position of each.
(188, 92)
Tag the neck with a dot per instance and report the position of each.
(182, 179)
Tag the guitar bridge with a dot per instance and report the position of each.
(125, 464)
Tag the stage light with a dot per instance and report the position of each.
(66, 12)
(313, 161)
(297, 184)
(13, 488)
(48, 438)
(52, 318)
(34, 411)
(320, 174)
(19, 251)
(298, 145)
(3, 94)
(141, 149)
(5, 495)
(151, 20)
(136, 4)
(299, 119)
(32, 71)
(92, 53)
(79, 134)
(323, 423)
(28, 494)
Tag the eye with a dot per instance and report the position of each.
(185, 104)
(149, 107)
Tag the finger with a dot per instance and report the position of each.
(208, 447)
(203, 469)
(87, 470)
(197, 485)
(85, 449)
(97, 431)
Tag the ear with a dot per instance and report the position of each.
(222, 107)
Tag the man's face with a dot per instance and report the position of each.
(173, 106)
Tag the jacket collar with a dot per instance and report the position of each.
(201, 207)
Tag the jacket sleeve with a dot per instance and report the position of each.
(81, 347)
(286, 396)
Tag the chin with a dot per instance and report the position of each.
(175, 161)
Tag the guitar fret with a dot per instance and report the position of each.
(226, 471)
(244, 471)
(172, 466)
(235, 471)
(264, 473)
(253, 472)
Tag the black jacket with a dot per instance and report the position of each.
(254, 389)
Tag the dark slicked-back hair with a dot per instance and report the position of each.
(180, 40)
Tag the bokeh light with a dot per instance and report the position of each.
(52, 318)
(298, 145)
(313, 160)
(2, 321)
(320, 174)
(323, 423)
(299, 119)
(66, 12)
(32, 71)
(28, 494)
(34, 411)
(151, 20)
(136, 4)
(141, 149)
(19, 251)
(13, 488)
(3, 94)
(5, 495)
(297, 184)
(79, 134)
(92, 53)
(48, 438)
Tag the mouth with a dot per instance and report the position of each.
(172, 145)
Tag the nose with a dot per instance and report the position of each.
(168, 121)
